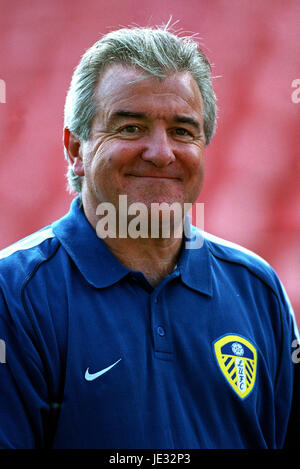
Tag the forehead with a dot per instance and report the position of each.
(124, 87)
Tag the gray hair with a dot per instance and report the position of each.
(157, 51)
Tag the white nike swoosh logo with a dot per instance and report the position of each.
(91, 376)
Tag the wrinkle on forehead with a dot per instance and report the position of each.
(122, 87)
(137, 78)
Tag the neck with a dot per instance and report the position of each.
(154, 257)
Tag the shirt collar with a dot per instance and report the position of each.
(101, 268)
(195, 261)
(89, 252)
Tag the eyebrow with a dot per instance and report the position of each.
(180, 119)
(187, 120)
(123, 113)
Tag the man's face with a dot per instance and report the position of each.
(146, 140)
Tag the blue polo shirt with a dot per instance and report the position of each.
(93, 356)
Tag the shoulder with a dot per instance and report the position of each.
(238, 258)
(234, 253)
(19, 261)
(248, 264)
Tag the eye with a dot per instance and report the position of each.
(181, 132)
(130, 129)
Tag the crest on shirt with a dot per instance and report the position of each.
(237, 359)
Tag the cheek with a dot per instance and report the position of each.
(195, 164)
(108, 167)
(112, 156)
(199, 171)
(195, 181)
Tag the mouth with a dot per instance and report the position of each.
(155, 177)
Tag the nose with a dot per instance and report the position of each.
(158, 149)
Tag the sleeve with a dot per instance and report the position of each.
(24, 403)
(288, 378)
(293, 432)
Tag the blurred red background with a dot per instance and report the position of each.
(252, 185)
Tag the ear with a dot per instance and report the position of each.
(72, 147)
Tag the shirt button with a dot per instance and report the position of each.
(161, 331)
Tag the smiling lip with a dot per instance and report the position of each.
(146, 176)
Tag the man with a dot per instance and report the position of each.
(118, 341)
